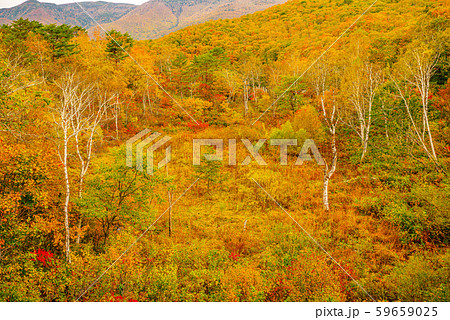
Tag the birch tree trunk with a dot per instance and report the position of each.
(87, 122)
(362, 81)
(415, 72)
(169, 193)
(71, 116)
(67, 198)
(246, 93)
(329, 171)
(325, 80)
(332, 123)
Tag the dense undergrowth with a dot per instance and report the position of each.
(227, 239)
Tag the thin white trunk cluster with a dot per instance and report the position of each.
(251, 75)
(17, 77)
(85, 126)
(76, 117)
(363, 82)
(146, 100)
(416, 71)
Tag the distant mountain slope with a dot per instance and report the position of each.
(71, 13)
(157, 18)
(150, 20)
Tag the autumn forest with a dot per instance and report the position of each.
(367, 82)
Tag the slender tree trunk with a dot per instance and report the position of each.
(430, 137)
(80, 195)
(170, 213)
(326, 204)
(364, 149)
(246, 89)
(329, 171)
(67, 200)
(117, 113)
(366, 138)
(425, 84)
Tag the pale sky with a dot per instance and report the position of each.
(12, 3)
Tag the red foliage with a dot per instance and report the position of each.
(280, 289)
(198, 125)
(234, 256)
(344, 279)
(204, 86)
(115, 298)
(44, 257)
(442, 103)
(219, 97)
(120, 298)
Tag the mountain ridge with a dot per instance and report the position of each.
(172, 15)
(70, 13)
(150, 20)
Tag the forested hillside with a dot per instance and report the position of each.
(150, 20)
(371, 91)
(157, 18)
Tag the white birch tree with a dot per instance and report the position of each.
(78, 110)
(413, 77)
(362, 80)
(85, 126)
(325, 82)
